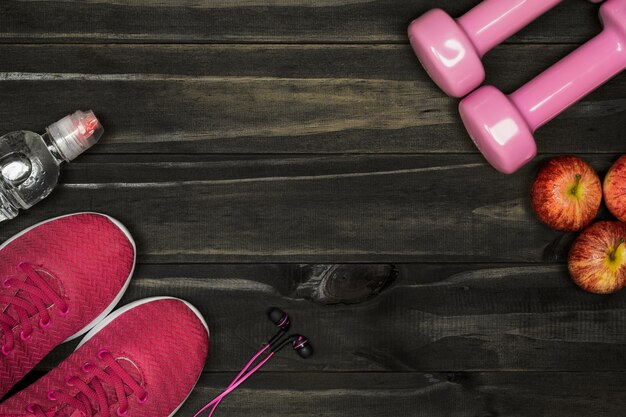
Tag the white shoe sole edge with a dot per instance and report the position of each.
(137, 303)
(119, 296)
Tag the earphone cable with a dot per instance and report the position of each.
(243, 371)
(234, 385)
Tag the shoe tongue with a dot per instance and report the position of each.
(51, 279)
(132, 370)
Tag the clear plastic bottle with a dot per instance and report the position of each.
(29, 162)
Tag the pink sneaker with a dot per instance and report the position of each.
(143, 360)
(57, 280)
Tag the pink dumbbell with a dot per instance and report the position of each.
(451, 50)
(502, 126)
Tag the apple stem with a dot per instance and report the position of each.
(574, 189)
(612, 255)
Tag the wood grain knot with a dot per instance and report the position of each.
(345, 283)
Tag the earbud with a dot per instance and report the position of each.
(300, 344)
(303, 347)
(279, 318)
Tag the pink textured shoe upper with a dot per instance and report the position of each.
(83, 261)
(156, 347)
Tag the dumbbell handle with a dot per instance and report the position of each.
(570, 79)
(492, 21)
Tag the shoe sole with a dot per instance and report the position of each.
(119, 296)
(137, 303)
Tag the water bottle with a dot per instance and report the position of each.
(29, 162)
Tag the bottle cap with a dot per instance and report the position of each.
(74, 134)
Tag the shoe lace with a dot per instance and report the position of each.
(25, 298)
(92, 392)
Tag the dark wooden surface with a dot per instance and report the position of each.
(247, 140)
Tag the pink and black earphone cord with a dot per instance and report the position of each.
(239, 379)
(300, 344)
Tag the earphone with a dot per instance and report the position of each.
(281, 320)
(300, 344)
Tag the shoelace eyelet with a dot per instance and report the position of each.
(6, 351)
(26, 337)
(101, 354)
(45, 324)
(64, 312)
(121, 412)
(31, 408)
(5, 283)
(52, 396)
(87, 367)
(68, 381)
(143, 399)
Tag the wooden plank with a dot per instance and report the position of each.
(278, 98)
(359, 208)
(511, 394)
(460, 394)
(434, 318)
(300, 21)
(356, 208)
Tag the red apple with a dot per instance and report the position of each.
(566, 194)
(597, 260)
(615, 189)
